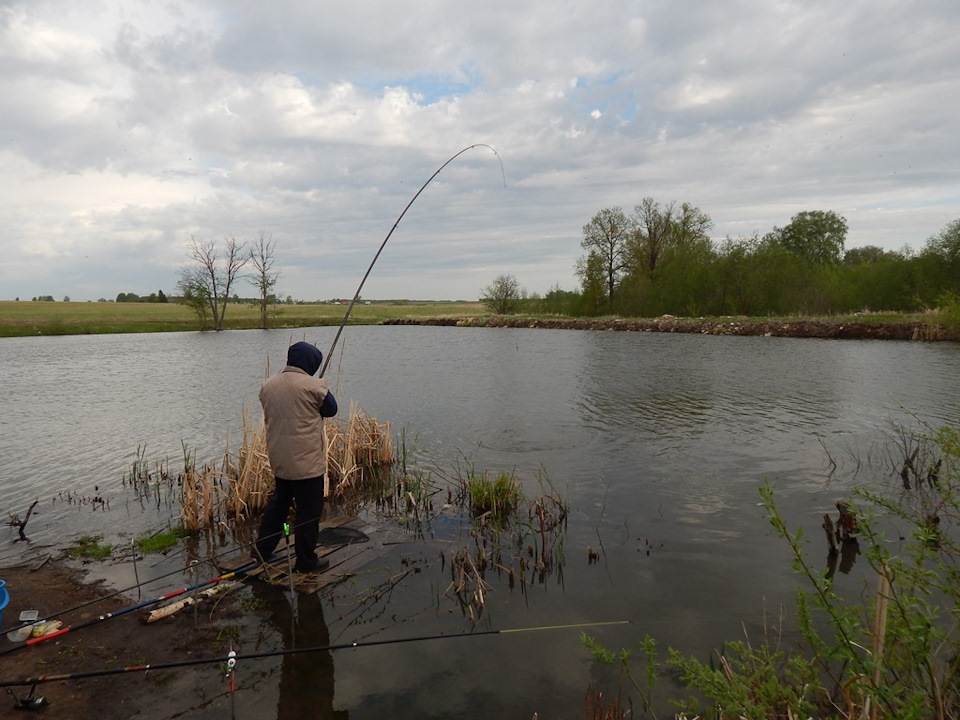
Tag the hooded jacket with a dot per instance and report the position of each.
(294, 405)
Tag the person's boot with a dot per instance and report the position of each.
(318, 564)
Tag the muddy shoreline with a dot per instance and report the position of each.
(123, 641)
(908, 331)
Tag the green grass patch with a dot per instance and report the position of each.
(161, 541)
(89, 547)
(25, 317)
(497, 497)
(252, 604)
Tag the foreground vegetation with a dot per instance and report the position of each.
(893, 651)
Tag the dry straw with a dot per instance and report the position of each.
(240, 488)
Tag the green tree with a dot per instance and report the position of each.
(195, 298)
(878, 279)
(940, 264)
(670, 259)
(685, 279)
(816, 236)
(865, 255)
(560, 302)
(605, 239)
(503, 296)
(776, 287)
(946, 243)
(735, 286)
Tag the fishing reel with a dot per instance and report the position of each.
(30, 702)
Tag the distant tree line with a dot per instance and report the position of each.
(660, 259)
(157, 297)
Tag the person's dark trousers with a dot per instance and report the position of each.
(307, 496)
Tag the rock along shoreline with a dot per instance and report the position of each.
(910, 331)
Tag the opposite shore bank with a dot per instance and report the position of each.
(913, 330)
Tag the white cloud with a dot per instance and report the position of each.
(128, 126)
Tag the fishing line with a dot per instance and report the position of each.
(373, 262)
(292, 651)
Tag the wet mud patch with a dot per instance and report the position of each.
(118, 642)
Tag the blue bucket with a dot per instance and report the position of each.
(4, 599)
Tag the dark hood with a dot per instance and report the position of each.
(305, 356)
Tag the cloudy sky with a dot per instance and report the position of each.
(128, 126)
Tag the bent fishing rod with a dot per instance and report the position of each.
(40, 679)
(249, 567)
(373, 262)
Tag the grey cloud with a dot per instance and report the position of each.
(142, 124)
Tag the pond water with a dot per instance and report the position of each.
(657, 442)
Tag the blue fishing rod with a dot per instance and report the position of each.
(373, 262)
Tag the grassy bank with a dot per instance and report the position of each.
(22, 318)
(83, 318)
(890, 327)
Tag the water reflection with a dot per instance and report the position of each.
(306, 682)
(657, 442)
(843, 559)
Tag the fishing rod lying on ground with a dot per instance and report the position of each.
(373, 262)
(240, 571)
(131, 608)
(40, 679)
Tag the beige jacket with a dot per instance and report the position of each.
(291, 402)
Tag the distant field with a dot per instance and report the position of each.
(19, 318)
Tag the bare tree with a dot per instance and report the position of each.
(207, 282)
(263, 277)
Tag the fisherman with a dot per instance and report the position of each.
(294, 405)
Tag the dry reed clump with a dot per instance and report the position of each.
(352, 447)
(200, 491)
(234, 492)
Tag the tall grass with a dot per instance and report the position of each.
(235, 491)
